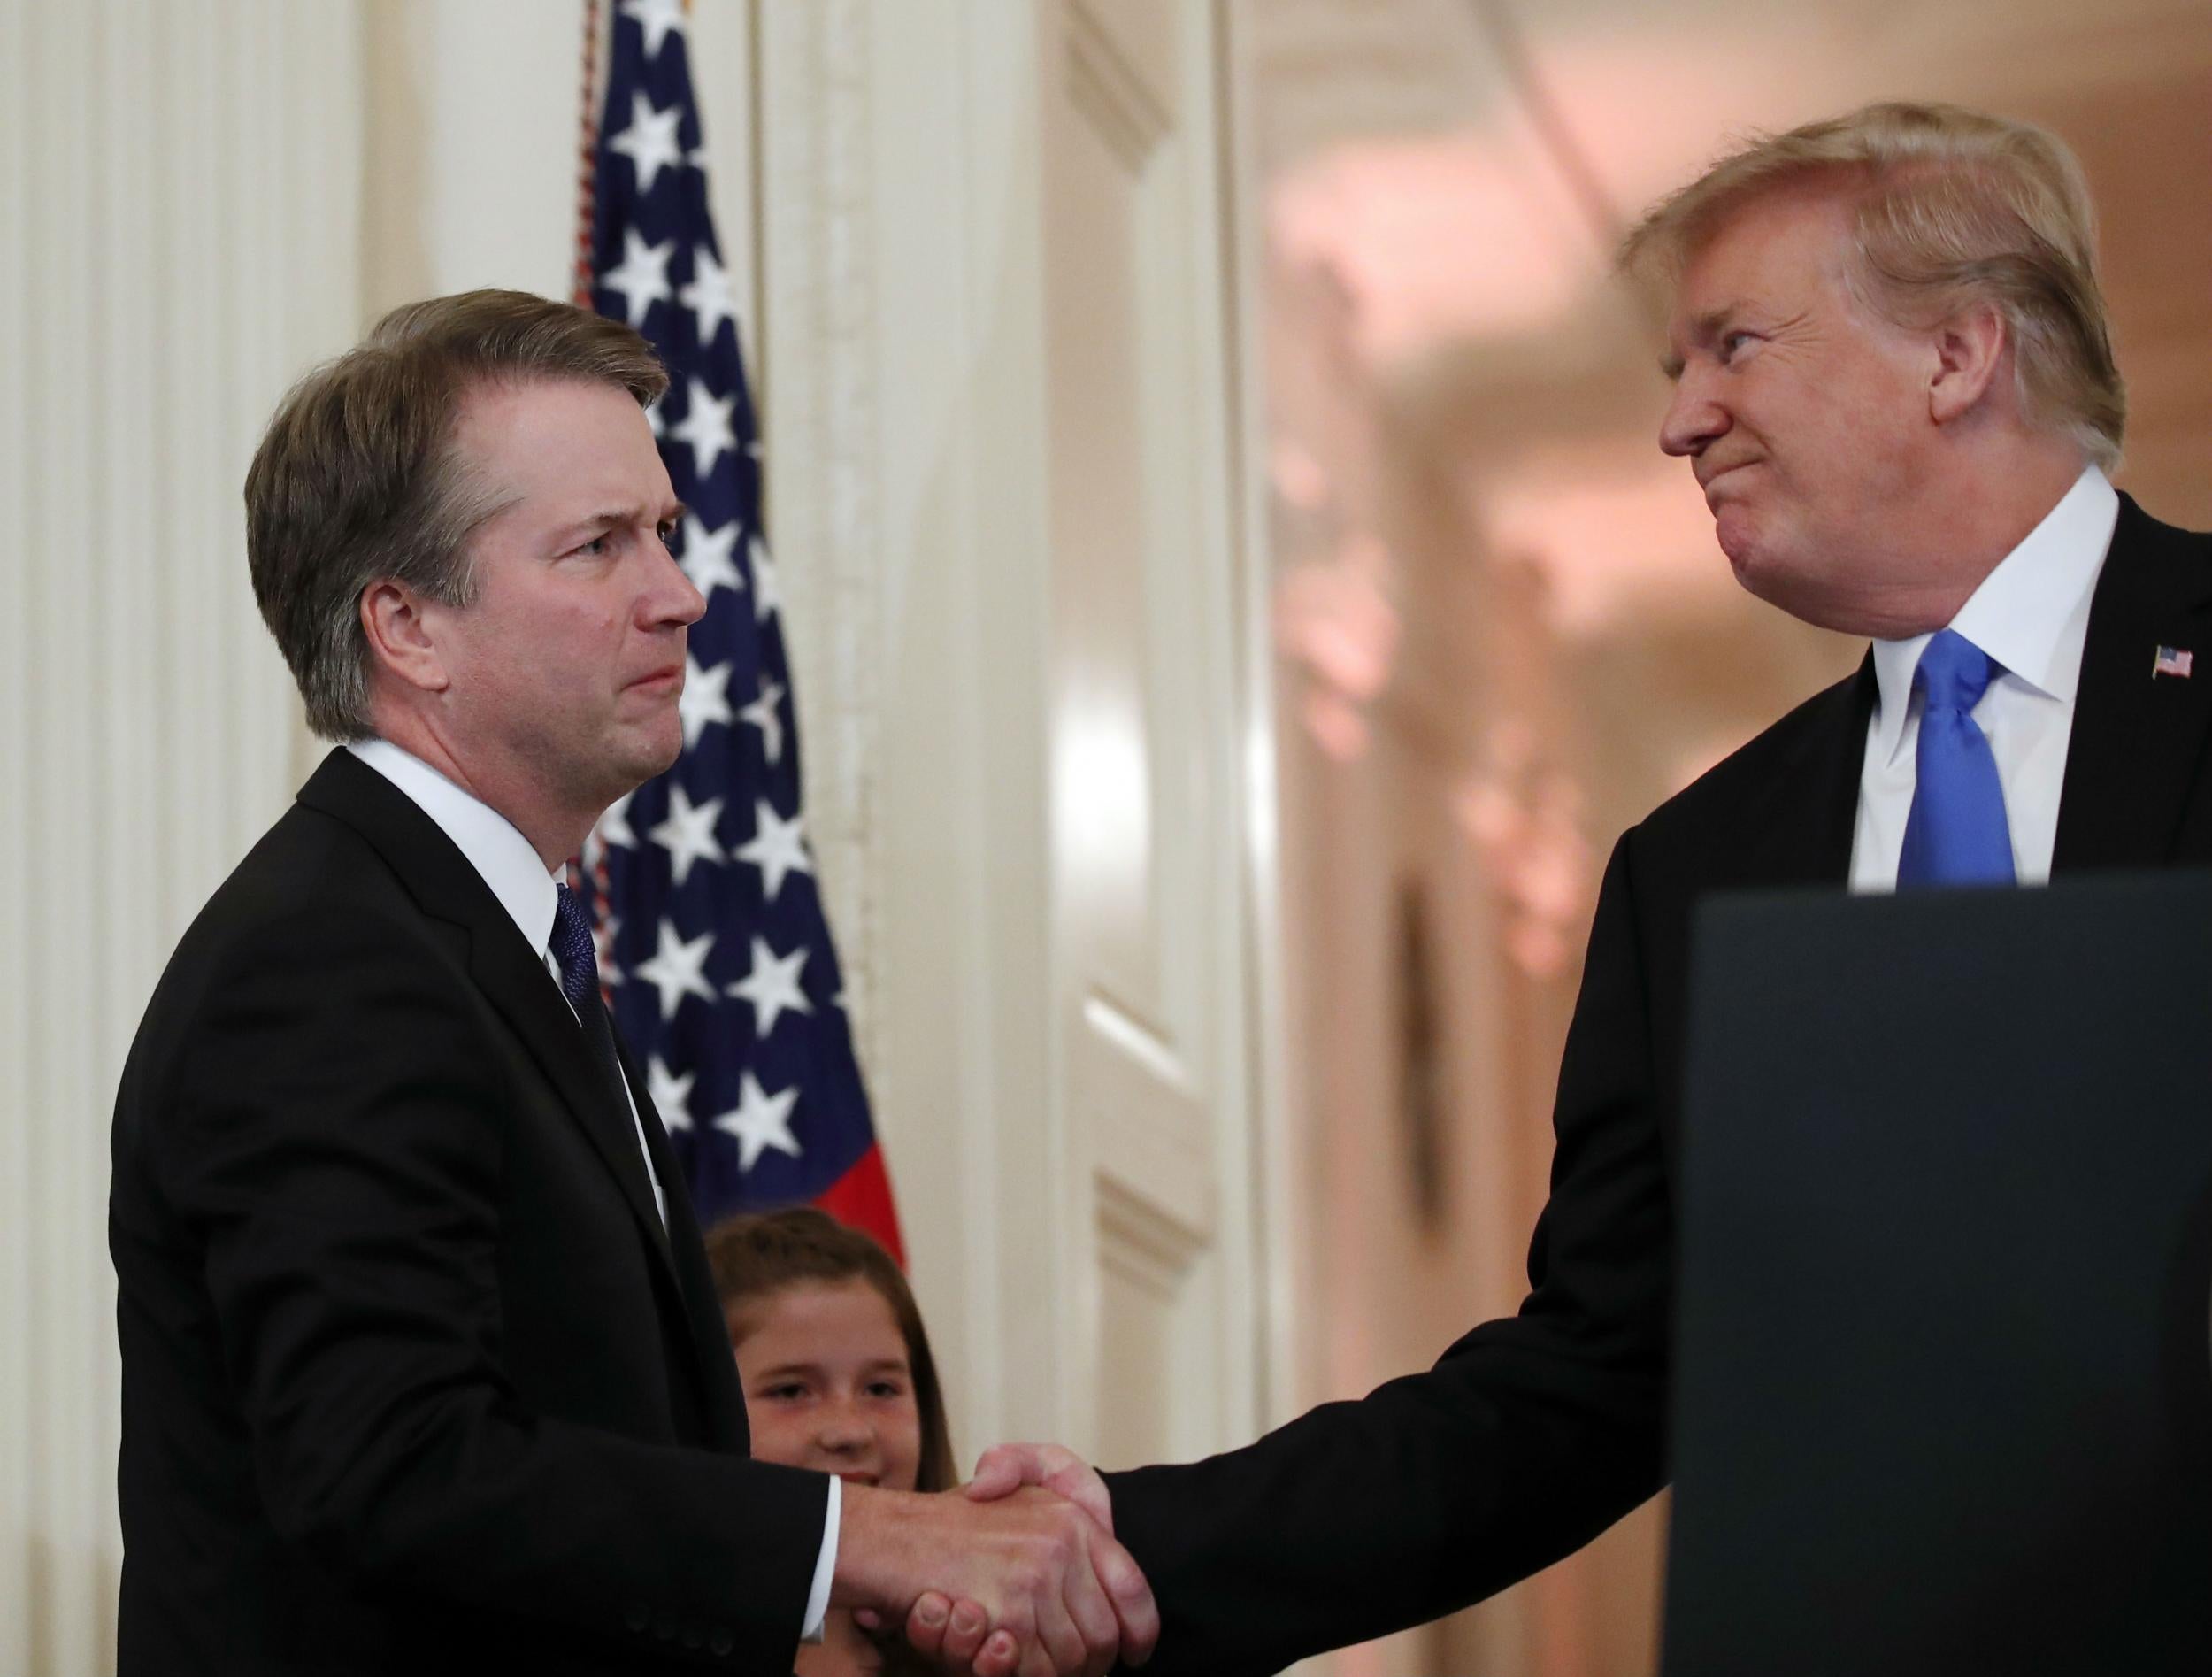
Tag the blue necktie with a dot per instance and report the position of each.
(572, 948)
(1956, 834)
(578, 960)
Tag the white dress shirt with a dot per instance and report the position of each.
(510, 866)
(2031, 615)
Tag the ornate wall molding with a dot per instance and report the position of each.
(820, 376)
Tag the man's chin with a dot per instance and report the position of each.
(660, 757)
(1739, 535)
(647, 756)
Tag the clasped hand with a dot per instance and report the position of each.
(1016, 1575)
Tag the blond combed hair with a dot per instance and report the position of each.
(1951, 208)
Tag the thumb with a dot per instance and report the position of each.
(1004, 1469)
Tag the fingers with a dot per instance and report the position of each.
(1069, 1475)
(925, 1624)
(1077, 1623)
(964, 1633)
(1059, 1634)
(1095, 1622)
(1006, 1468)
(1031, 1587)
(1137, 1616)
(953, 1635)
(1002, 1470)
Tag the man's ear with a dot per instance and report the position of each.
(401, 640)
(1971, 351)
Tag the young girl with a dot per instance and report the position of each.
(837, 1376)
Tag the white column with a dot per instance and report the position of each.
(179, 190)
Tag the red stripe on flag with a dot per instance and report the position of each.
(861, 1199)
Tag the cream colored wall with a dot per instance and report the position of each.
(906, 193)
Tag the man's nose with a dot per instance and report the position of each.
(1693, 419)
(675, 598)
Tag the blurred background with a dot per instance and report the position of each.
(1235, 598)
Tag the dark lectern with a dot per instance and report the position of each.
(1943, 1381)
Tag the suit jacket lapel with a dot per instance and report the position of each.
(1800, 828)
(710, 1331)
(444, 885)
(2139, 740)
(519, 987)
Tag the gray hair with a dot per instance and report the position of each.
(358, 479)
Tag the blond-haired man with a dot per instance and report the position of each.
(1894, 380)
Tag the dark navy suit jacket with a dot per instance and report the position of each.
(1531, 1435)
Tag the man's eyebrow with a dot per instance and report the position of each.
(613, 518)
(1703, 328)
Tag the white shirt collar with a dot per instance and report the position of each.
(2031, 613)
(494, 845)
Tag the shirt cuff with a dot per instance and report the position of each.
(825, 1565)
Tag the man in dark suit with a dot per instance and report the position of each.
(422, 1366)
(1893, 380)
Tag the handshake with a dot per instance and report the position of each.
(1017, 1574)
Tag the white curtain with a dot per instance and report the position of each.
(179, 236)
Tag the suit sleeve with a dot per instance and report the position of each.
(333, 1141)
(1527, 1438)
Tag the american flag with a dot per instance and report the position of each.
(712, 941)
(2171, 660)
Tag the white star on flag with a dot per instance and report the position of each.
(678, 969)
(687, 835)
(704, 700)
(708, 557)
(659, 18)
(763, 714)
(612, 827)
(767, 590)
(603, 937)
(778, 848)
(760, 1121)
(642, 277)
(614, 824)
(650, 142)
(706, 427)
(772, 986)
(708, 296)
(671, 1095)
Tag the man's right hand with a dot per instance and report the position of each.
(1054, 1594)
(1006, 1468)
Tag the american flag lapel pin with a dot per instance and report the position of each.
(2172, 661)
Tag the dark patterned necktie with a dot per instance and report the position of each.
(573, 950)
(577, 958)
